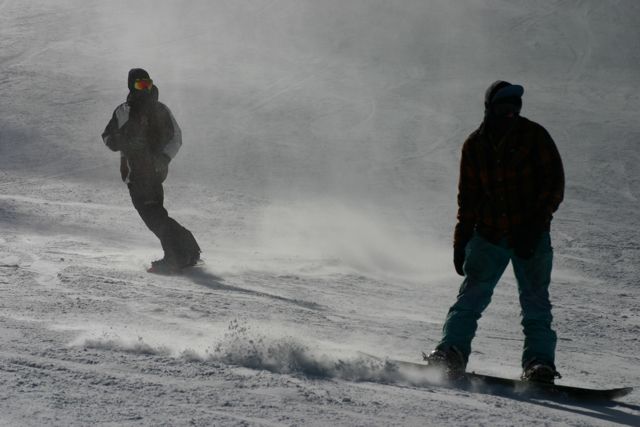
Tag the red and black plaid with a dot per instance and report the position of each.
(505, 187)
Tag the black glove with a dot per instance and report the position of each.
(161, 164)
(114, 141)
(458, 260)
(124, 168)
(525, 241)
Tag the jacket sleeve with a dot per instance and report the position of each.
(111, 135)
(469, 196)
(171, 134)
(551, 177)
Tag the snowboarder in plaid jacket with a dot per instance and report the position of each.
(511, 182)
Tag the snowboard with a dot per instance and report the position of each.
(475, 381)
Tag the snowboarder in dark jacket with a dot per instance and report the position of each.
(148, 137)
(511, 182)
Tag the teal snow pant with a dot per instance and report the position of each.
(485, 263)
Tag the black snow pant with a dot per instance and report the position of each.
(179, 245)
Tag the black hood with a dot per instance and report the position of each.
(134, 74)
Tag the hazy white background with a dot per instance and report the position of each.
(319, 172)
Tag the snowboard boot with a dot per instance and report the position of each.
(539, 372)
(186, 251)
(164, 266)
(187, 260)
(449, 359)
(192, 260)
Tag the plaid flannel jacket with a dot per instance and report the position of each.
(518, 183)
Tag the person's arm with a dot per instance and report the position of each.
(171, 134)
(112, 137)
(468, 196)
(169, 139)
(469, 193)
(551, 177)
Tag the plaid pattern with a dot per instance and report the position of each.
(518, 183)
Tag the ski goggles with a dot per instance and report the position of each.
(143, 84)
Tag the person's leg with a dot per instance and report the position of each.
(178, 244)
(483, 267)
(148, 200)
(533, 276)
(184, 244)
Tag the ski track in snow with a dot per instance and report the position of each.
(318, 174)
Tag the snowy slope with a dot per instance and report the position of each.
(319, 168)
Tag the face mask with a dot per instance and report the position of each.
(505, 111)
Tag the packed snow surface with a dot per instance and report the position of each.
(318, 172)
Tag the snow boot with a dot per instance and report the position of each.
(194, 259)
(540, 372)
(164, 266)
(449, 359)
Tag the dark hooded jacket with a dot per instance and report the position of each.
(146, 134)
